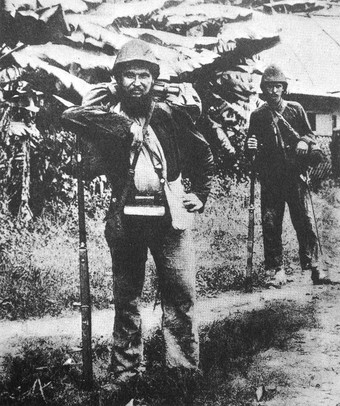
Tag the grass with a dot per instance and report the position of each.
(38, 374)
(39, 270)
(40, 276)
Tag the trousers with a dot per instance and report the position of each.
(293, 191)
(129, 238)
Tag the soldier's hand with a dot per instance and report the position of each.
(252, 143)
(192, 203)
(302, 148)
(137, 133)
(224, 141)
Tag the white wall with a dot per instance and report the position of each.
(324, 124)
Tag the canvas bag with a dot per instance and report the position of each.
(181, 218)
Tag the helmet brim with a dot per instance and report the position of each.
(119, 67)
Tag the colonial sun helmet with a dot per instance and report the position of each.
(273, 74)
(136, 51)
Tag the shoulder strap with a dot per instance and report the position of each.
(278, 134)
(131, 172)
(144, 131)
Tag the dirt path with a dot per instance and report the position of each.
(209, 310)
(305, 373)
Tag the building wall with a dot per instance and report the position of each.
(323, 112)
(323, 124)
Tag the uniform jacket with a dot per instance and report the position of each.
(109, 133)
(276, 157)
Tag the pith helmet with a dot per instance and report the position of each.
(136, 50)
(274, 74)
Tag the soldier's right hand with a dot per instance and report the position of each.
(252, 143)
(137, 133)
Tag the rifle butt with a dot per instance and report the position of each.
(85, 298)
(86, 323)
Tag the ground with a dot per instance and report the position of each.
(305, 373)
(293, 350)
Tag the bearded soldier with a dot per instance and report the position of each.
(158, 144)
(283, 144)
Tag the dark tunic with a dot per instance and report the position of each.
(276, 156)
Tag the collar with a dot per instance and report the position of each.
(280, 107)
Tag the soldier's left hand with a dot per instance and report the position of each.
(192, 203)
(302, 148)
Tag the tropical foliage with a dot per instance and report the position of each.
(50, 55)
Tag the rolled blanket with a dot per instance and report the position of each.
(106, 137)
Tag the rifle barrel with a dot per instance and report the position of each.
(251, 222)
(85, 298)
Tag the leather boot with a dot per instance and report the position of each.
(320, 277)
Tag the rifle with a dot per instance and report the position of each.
(85, 298)
(313, 211)
(251, 223)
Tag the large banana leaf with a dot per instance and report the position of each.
(89, 29)
(189, 14)
(65, 56)
(107, 13)
(76, 6)
(33, 27)
(252, 36)
(88, 65)
(64, 80)
(171, 39)
(189, 51)
(292, 6)
(178, 55)
(94, 44)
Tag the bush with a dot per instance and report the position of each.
(39, 267)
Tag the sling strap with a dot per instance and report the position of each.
(131, 172)
(277, 131)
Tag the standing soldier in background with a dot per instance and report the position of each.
(168, 147)
(283, 145)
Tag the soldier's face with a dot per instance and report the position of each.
(273, 91)
(136, 82)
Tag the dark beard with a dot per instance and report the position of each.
(136, 107)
